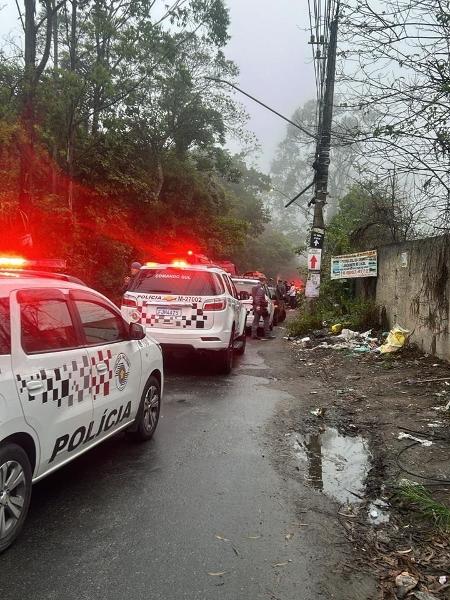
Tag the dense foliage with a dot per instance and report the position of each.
(112, 139)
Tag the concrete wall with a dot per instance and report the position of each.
(413, 289)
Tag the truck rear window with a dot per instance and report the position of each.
(179, 282)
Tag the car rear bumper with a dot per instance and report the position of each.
(207, 339)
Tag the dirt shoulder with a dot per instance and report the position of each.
(339, 434)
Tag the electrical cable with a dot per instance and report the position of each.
(426, 478)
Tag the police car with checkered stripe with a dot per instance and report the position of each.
(189, 307)
(73, 373)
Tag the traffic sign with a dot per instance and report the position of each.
(314, 259)
(316, 240)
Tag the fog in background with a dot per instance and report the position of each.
(269, 43)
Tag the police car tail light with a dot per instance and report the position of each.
(215, 305)
(129, 302)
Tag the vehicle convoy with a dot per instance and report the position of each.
(244, 287)
(73, 373)
(189, 307)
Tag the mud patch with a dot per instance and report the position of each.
(333, 463)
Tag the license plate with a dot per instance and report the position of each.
(162, 311)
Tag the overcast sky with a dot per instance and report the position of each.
(270, 45)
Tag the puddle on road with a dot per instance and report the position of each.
(335, 464)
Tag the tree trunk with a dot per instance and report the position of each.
(70, 157)
(32, 74)
(55, 77)
(27, 109)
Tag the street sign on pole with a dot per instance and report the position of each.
(314, 259)
(316, 240)
(312, 285)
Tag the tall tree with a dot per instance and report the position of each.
(395, 74)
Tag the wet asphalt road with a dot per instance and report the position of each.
(145, 521)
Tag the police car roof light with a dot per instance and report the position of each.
(18, 262)
(12, 261)
(19, 272)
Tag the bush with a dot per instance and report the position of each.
(303, 324)
(354, 314)
(359, 315)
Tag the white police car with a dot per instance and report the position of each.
(72, 373)
(244, 286)
(190, 307)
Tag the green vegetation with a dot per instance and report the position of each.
(355, 314)
(367, 216)
(112, 139)
(420, 499)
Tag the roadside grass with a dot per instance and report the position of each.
(420, 499)
(304, 323)
(355, 314)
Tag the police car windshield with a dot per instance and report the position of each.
(174, 281)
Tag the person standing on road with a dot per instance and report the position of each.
(260, 310)
(134, 270)
(281, 290)
(292, 295)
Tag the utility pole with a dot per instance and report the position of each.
(321, 165)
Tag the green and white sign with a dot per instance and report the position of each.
(350, 266)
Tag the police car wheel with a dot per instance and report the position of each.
(15, 492)
(241, 344)
(225, 357)
(148, 415)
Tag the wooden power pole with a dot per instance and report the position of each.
(321, 165)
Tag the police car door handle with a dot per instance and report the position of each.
(102, 367)
(35, 386)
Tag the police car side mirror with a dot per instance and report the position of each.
(136, 331)
(244, 295)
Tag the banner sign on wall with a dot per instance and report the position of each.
(349, 266)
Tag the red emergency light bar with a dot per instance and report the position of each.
(179, 263)
(18, 262)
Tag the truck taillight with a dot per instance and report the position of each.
(129, 302)
(215, 304)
